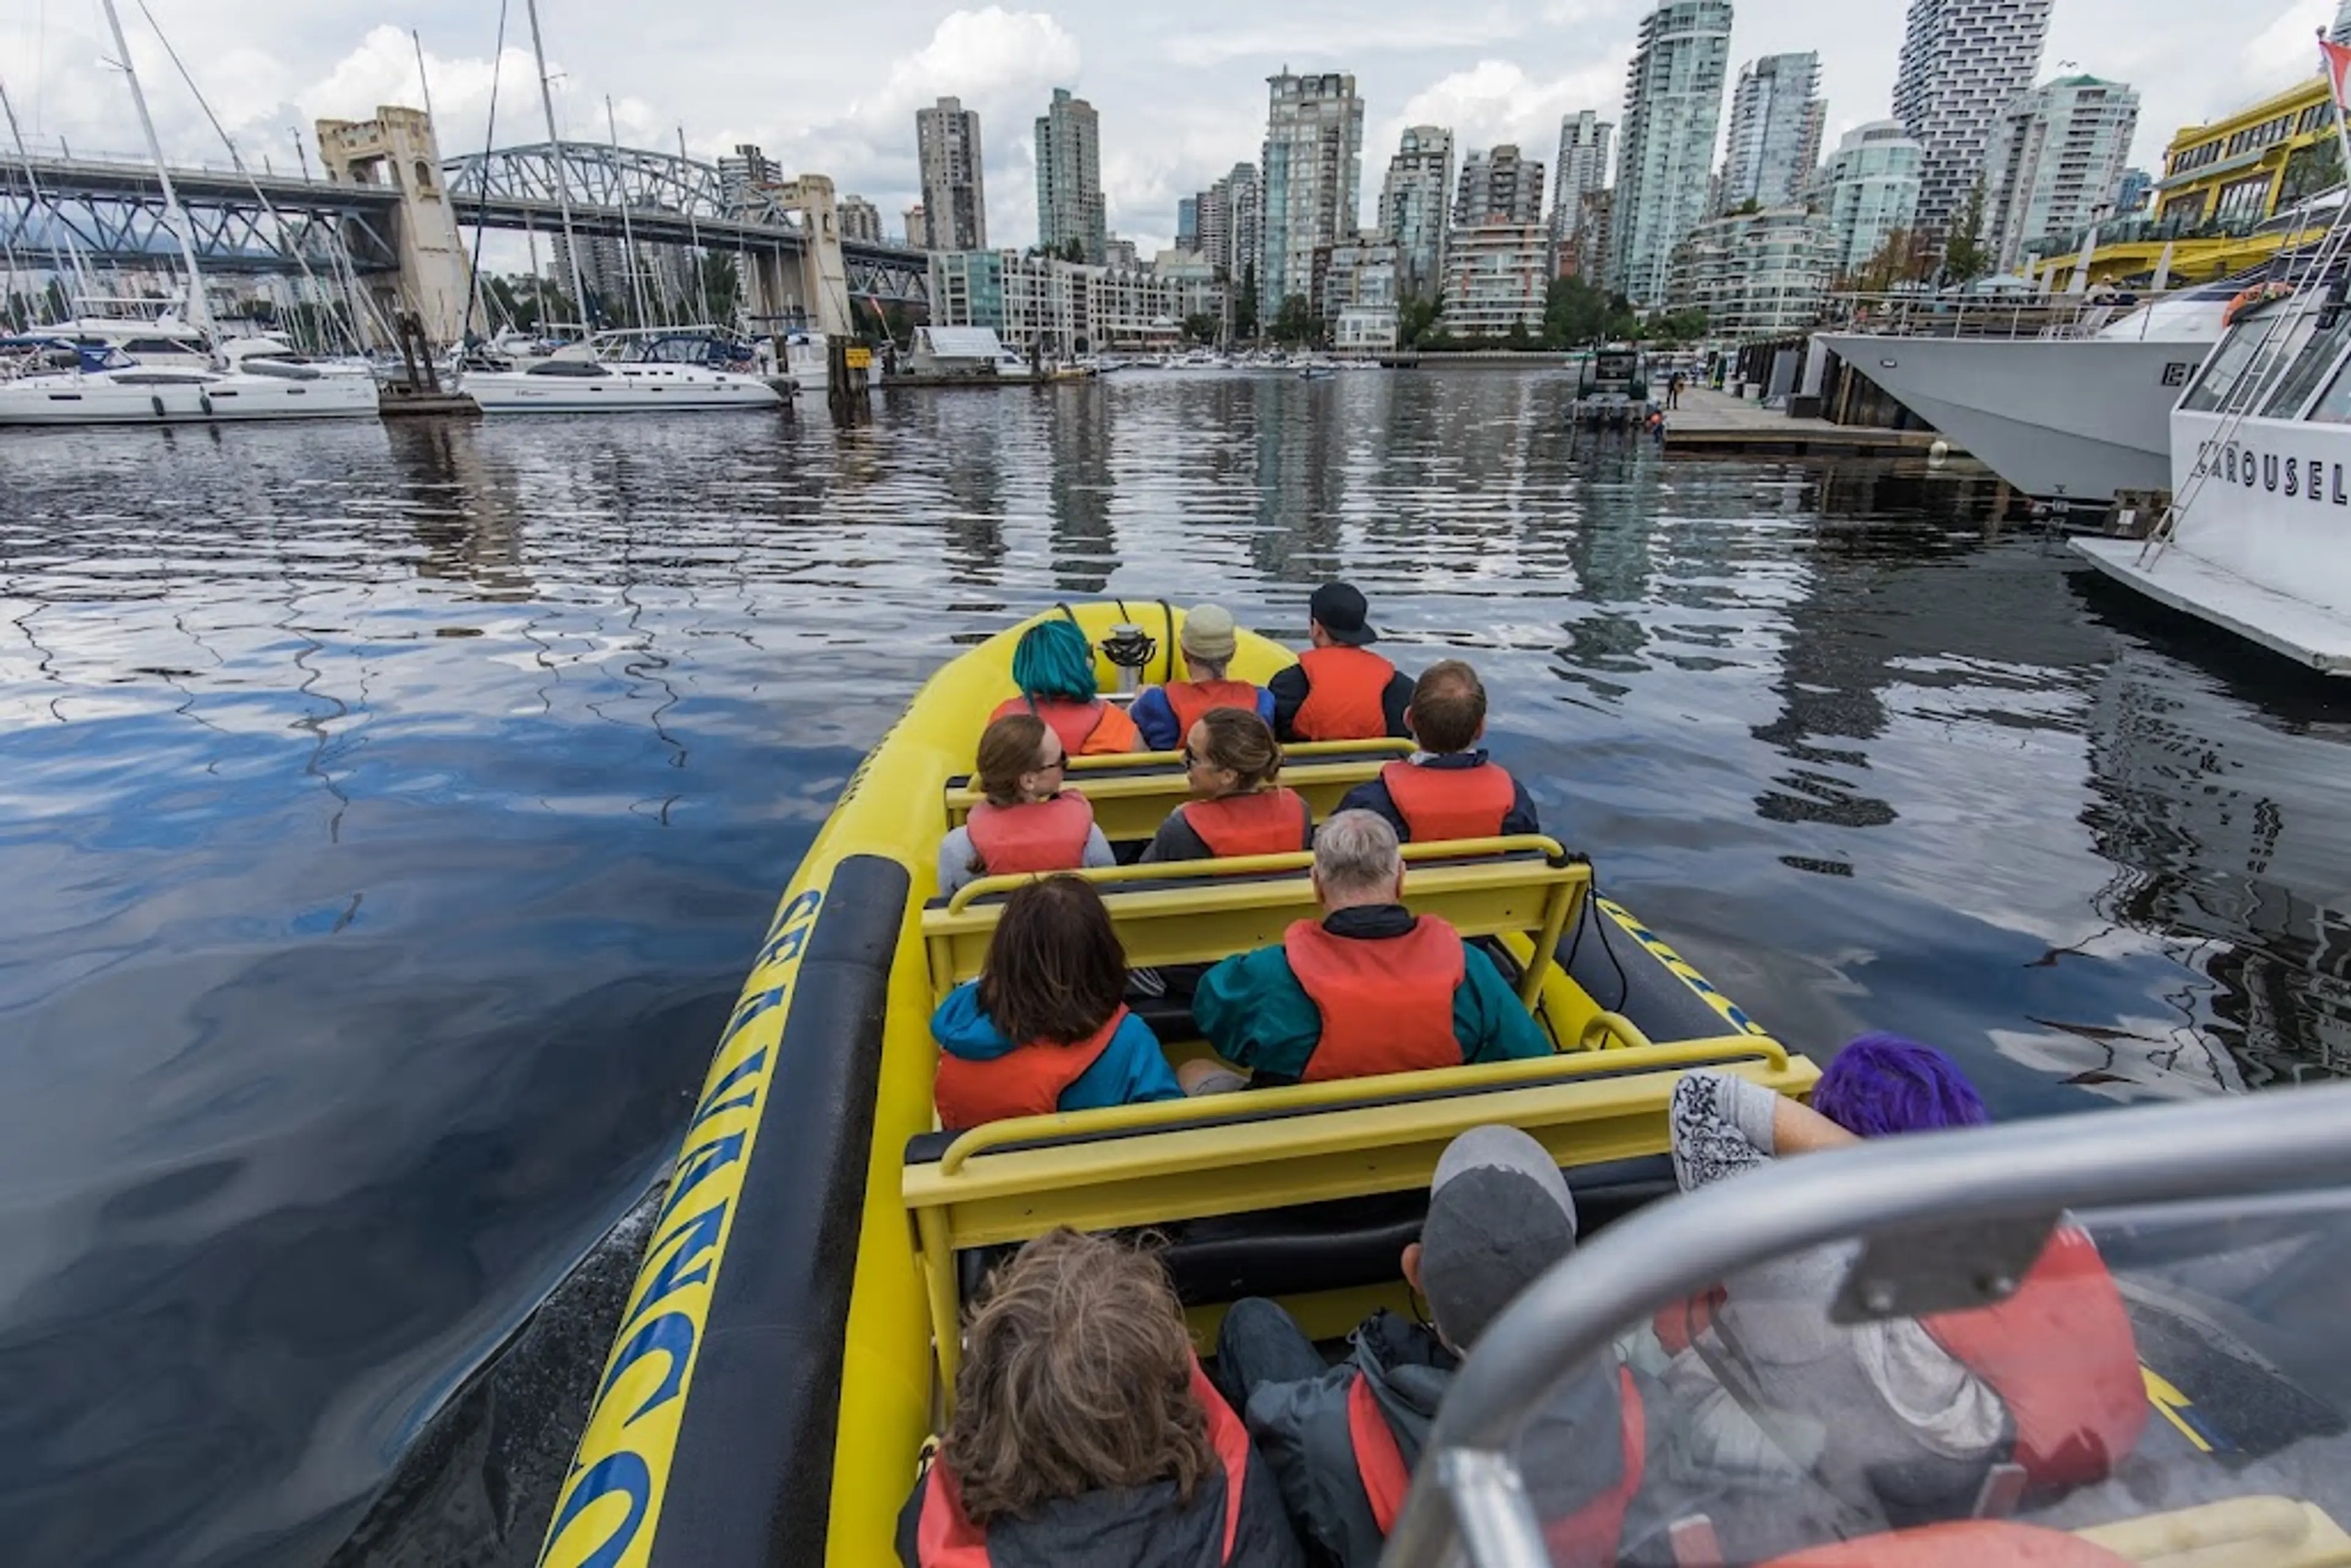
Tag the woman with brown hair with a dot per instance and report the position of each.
(1045, 1026)
(1029, 820)
(1085, 1434)
(1232, 763)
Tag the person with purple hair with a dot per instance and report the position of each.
(1827, 1422)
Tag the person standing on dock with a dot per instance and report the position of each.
(1166, 714)
(1340, 689)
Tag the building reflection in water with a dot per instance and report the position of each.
(1083, 546)
(465, 513)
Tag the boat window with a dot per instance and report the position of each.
(159, 346)
(280, 368)
(160, 378)
(2162, 1387)
(2334, 406)
(2227, 366)
(575, 368)
(2321, 341)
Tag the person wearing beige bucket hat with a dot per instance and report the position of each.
(1166, 714)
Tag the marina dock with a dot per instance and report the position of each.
(1713, 421)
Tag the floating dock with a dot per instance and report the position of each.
(1709, 421)
(396, 400)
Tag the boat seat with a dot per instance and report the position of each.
(1344, 1244)
(1197, 912)
(1131, 794)
(1173, 1163)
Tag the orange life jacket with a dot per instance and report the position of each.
(1036, 835)
(1191, 701)
(1346, 694)
(2061, 1355)
(1270, 823)
(1588, 1536)
(946, 1537)
(1094, 729)
(1386, 1003)
(1450, 802)
(1025, 1081)
(1959, 1543)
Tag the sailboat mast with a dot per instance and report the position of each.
(71, 253)
(628, 229)
(562, 196)
(175, 218)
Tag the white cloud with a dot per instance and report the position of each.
(1496, 102)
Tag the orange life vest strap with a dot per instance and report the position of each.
(1346, 693)
(1379, 1462)
(1386, 1003)
(1270, 823)
(1034, 836)
(1450, 802)
(1192, 701)
(2061, 1355)
(1027, 1080)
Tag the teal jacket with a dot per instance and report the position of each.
(1258, 1016)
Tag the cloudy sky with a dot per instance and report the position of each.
(832, 89)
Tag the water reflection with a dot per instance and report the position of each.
(389, 811)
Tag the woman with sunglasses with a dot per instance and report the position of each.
(1029, 821)
(1232, 762)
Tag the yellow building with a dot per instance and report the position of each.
(2222, 183)
(2240, 169)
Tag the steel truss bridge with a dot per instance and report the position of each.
(115, 215)
(669, 200)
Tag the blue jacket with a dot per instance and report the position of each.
(1157, 720)
(1131, 1069)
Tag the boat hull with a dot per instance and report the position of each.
(216, 400)
(2259, 545)
(2077, 418)
(625, 391)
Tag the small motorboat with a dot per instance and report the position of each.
(793, 1332)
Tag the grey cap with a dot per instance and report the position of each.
(1499, 1215)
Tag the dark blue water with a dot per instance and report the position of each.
(387, 815)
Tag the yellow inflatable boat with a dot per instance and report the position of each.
(791, 1338)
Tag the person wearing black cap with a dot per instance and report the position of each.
(1340, 689)
(1343, 1441)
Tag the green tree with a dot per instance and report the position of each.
(1416, 319)
(1295, 322)
(1073, 249)
(1245, 307)
(1200, 326)
(1966, 257)
(1675, 326)
(718, 284)
(1518, 338)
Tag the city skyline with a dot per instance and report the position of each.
(1182, 100)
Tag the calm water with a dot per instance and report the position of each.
(386, 815)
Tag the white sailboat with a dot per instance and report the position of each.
(86, 378)
(577, 379)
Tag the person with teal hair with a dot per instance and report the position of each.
(1053, 666)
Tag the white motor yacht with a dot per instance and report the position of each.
(671, 373)
(807, 360)
(2258, 536)
(67, 382)
(2079, 413)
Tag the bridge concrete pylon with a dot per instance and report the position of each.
(824, 274)
(397, 149)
